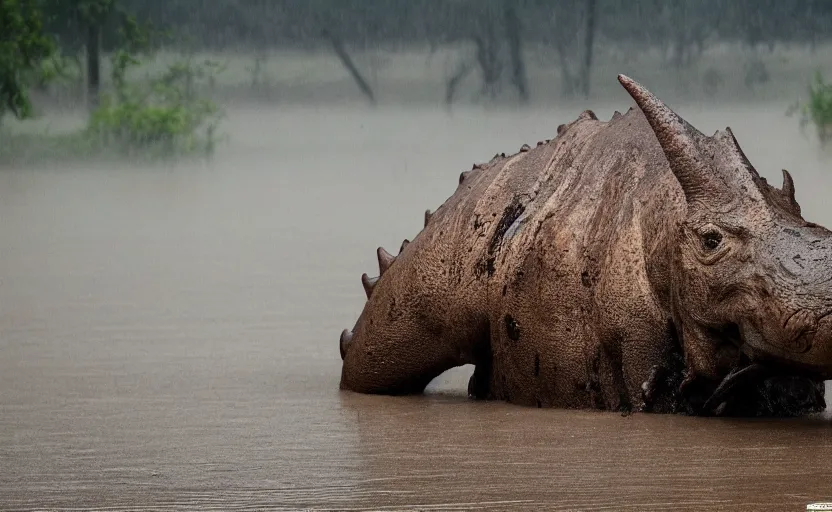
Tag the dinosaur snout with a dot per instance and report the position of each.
(818, 352)
(802, 343)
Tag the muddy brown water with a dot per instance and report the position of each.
(168, 338)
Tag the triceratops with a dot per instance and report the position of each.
(630, 265)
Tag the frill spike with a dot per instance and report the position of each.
(788, 186)
(787, 191)
(344, 342)
(524, 148)
(588, 114)
(369, 284)
(385, 259)
(405, 243)
(463, 175)
(428, 215)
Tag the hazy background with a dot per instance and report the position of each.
(169, 328)
(481, 51)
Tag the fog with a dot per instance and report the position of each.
(169, 328)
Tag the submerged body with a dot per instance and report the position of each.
(561, 272)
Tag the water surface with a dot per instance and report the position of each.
(168, 337)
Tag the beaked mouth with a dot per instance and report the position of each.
(756, 360)
(738, 375)
(751, 342)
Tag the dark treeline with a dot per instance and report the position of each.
(82, 50)
(686, 24)
(497, 30)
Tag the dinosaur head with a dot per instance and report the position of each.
(749, 273)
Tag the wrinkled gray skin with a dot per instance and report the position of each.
(634, 264)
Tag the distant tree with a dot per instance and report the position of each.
(680, 25)
(93, 26)
(515, 40)
(23, 47)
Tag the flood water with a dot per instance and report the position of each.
(169, 337)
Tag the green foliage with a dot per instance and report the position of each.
(162, 115)
(68, 20)
(24, 48)
(159, 115)
(818, 110)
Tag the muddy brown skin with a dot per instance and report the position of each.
(630, 265)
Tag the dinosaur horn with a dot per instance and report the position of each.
(369, 284)
(675, 136)
(788, 187)
(344, 342)
(385, 259)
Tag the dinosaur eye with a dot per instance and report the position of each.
(711, 239)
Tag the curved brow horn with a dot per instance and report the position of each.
(676, 139)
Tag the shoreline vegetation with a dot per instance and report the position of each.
(163, 103)
(724, 73)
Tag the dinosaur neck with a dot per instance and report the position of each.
(660, 226)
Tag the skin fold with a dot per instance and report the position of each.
(629, 265)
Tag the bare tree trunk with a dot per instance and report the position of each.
(346, 60)
(568, 79)
(489, 60)
(679, 50)
(93, 65)
(516, 50)
(589, 43)
(813, 28)
(453, 82)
